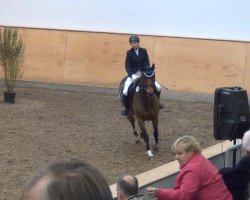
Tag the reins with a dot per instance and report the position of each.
(145, 99)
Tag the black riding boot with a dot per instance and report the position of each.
(124, 101)
(161, 106)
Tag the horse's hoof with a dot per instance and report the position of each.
(156, 146)
(150, 158)
(150, 155)
(137, 141)
(161, 106)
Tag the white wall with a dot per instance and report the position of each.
(212, 19)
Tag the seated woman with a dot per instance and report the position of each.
(198, 178)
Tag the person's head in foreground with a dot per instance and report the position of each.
(184, 148)
(71, 179)
(127, 187)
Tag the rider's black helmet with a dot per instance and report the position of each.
(134, 38)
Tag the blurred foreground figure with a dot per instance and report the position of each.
(71, 179)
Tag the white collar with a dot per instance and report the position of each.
(137, 51)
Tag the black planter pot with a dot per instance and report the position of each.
(9, 97)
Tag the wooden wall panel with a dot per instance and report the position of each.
(199, 65)
(93, 58)
(247, 70)
(189, 65)
(44, 55)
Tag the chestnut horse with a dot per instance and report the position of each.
(144, 106)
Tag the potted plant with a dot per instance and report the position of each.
(11, 60)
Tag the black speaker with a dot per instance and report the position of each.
(231, 113)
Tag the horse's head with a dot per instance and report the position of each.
(147, 81)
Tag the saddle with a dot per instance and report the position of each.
(131, 91)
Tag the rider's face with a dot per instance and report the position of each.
(134, 45)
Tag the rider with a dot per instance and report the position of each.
(136, 62)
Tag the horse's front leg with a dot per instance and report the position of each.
(141, 124)
(131, 119)
(156, 134)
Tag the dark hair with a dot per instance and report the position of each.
(128, 184)
(73, 179)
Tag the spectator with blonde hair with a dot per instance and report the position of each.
(198, 179)
(237, 178)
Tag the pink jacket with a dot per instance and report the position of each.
(198, 180)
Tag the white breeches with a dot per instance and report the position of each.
(129, 81)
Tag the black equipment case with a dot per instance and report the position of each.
(231, 113)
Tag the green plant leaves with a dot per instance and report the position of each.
(11, 56)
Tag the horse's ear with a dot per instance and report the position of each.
(153, 66)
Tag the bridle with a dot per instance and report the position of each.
(145, 75)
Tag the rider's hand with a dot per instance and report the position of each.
(135, 77)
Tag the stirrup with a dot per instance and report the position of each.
(124, 111)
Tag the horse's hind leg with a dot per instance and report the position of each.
(131, 119)
(156, 134)
(145, 137)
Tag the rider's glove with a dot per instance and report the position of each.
(135, 77)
